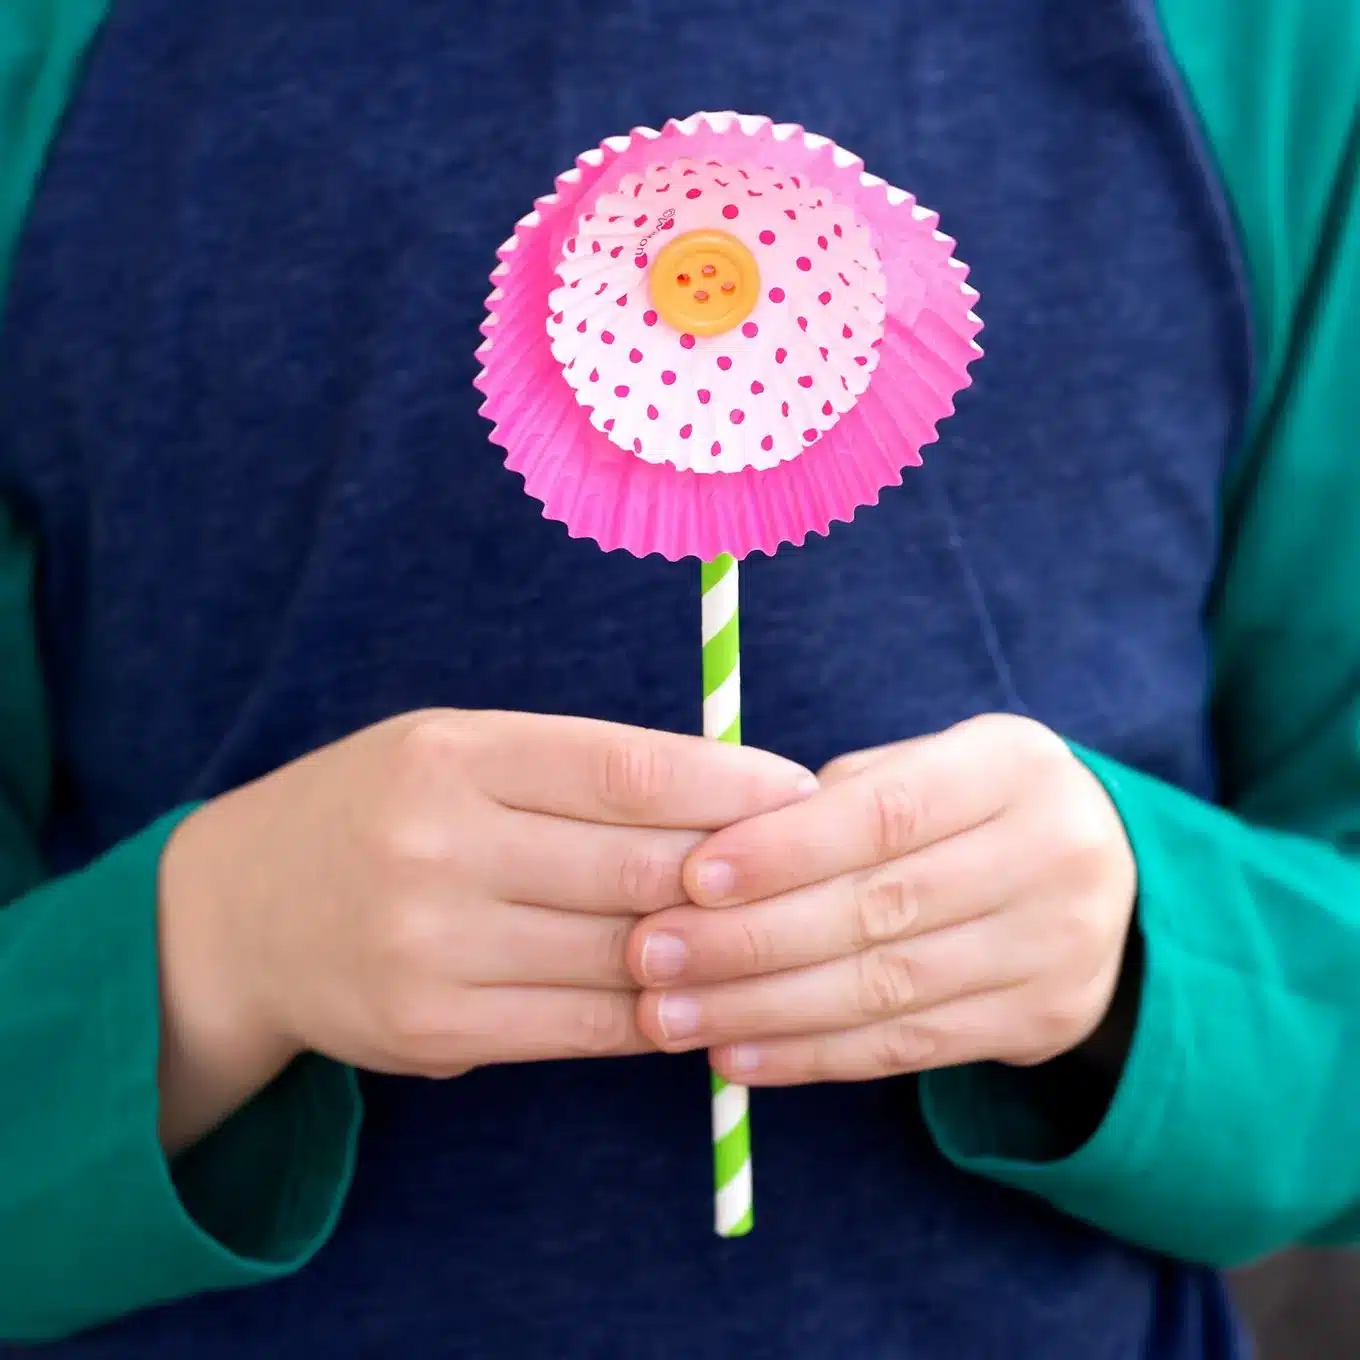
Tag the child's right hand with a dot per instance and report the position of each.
(440, 891)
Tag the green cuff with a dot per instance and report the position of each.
(1148, 1173)
(988, 1120)
(92, 1222)
(1233, 1129)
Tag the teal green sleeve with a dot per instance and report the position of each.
(1235, 1127)
(93, 1222)
(42, 44)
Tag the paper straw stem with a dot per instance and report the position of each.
(734, 1214)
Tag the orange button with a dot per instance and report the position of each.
(705, 282)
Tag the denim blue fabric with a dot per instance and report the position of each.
(236, 404)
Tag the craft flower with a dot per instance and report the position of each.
(721, 337)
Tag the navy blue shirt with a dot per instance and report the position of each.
(236, 401)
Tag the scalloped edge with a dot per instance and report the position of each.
(830, 161)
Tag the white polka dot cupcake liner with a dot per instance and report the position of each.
(721, 337)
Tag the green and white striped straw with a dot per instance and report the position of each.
(733, 1209)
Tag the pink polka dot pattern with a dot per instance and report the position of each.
(547, 384)
(747, 398)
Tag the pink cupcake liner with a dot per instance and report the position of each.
(605, 454)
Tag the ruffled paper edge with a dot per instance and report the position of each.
(678, 514)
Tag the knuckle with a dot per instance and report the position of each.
(1023, 735)
(411, 821)
(1083, 833)
(408, 1010)
(1081, 936)
(431, 744)
(818, 1060)
(899, 815)
(445, 1069)
(898, 1047)
(409, 1019)
(635, 774)
(989, 725)
(1021, 747)
(1040, 743)
(600, 1026)
(406, 838)
(886, 905)
(886, 984)
(403, 938)
(647, 877)
(1062, 1022)
(758, 947)
(610, 961)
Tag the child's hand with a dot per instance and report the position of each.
(437, 892)
(962, 897)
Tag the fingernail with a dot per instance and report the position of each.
(663, 957)
(807, 785)
(678, 1017)
(743, 1058)
(715, 878)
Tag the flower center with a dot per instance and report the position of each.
(705, 283)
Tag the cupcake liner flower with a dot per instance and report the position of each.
(721, 337)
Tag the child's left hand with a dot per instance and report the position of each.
(961, 897)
